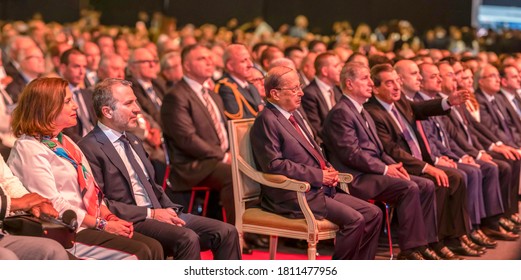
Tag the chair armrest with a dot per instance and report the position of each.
(343, 180)
(272, 180)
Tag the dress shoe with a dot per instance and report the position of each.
(296, 243)
(481, 239)
(464, 250)
(246, 250)
(500, 234)
(516, 219)
(465, 239)
(508, 225)
(257, 240)
(446, 254)
(429, 254)
(414, 255)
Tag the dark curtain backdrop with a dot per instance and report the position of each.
(422, 14)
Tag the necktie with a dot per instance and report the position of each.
(415, 150)
(153, 96)
(332, 98)
(139, 171)
(460, 111)
(83, 115)
(502, 119)
(215, 120)
(315, 153)
(516, 106)
(419, 126)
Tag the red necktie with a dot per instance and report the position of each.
(313, 150)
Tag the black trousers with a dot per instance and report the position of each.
(198, 234)
(451, 202)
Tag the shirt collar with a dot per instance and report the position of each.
(144, 84)
(388, 107)
(508, 95)
(489, 97)
(322, 86)
(197, 87)
(424, 96)
(110, 133)
(357, 105)
(285, 113)
(241, 83)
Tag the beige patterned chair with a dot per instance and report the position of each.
(246, 187)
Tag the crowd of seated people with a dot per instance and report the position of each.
(91, 115)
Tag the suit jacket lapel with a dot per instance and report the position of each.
(134, 142)
(108, 148)
(291, 130)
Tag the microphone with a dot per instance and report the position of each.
(68, 219)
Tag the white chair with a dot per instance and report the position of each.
(246, 187)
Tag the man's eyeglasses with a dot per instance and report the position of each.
(146, 61)
(294, 90)
(256, 80)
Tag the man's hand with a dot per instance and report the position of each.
(168, 216)
(447, 162)
(330, 177)
(397, 171)
(120, 227)
(45, 208)
(487, 158)
(441, 178)
(459, 97)
(506, 151)
(469, 160)
(28, 201)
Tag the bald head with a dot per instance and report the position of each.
(410, 75)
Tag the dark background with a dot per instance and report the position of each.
(422, 14)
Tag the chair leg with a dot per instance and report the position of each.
(206, 199)
(273, 246)
(191, 205)
(388, 222)
(312, 250)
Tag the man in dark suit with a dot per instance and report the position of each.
(122, 170)
(463, 135)
(510, 85)
(483, 188)
(241, 99)
(353, 146)
(396, 121)
(92, 53)
(149, 91)
(323, 92)
(31, 65)
(281, 145)
(73, 64)
(194, 127)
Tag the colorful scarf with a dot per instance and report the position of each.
(90, 191)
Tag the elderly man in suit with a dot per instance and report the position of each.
(241, 99)
(144, 67)
(323, 92)
(126, 176)
(397, 126)
(194, 127)
(73, 65)
(353, 146)
(31, 65)
(281, 145)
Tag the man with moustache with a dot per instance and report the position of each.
(396, 121)
(352, 144)
(241, 99)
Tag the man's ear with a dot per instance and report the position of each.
(107, 112)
